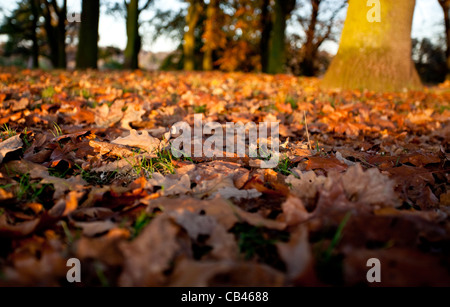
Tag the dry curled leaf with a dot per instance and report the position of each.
(171, 186)
(107, 116)
(294, 211)
(140, 140)
(298, 257)
(369, 187)
(133, 113)
(105, 148)
(12, 144)
(12, 229)
(151, 254)
(305, 185)
(233, 193)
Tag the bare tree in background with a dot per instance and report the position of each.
(320, 25)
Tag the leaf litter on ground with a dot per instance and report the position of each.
(362, 175)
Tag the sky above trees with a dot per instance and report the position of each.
(428, 22)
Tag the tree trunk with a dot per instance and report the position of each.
(56, 34)
(192, 19)
(35, 49)
(309, 48)
(446, 7)
(277, 57)
(51, 35)
(266, 26)
(211, 16)
(61, 35)
(134, 39)
(87, 53)
(375, 56)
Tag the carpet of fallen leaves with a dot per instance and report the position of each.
(85, 173)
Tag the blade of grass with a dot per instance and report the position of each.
(337, 237)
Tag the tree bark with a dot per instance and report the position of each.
(51, 35)
(87, 53)
(134, 39)
(266, 29)
(309, 48)
(375, 56)
(35, 49)
(61, 34)
(192, 18)
(211, 20)
(446, 8)
(56, 34)
(277, 57)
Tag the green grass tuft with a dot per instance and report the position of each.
(48, 93)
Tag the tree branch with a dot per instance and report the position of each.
(330, 25)
(147, 4)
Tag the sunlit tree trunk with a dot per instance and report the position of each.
(134, 39)
(277, 57)
(192, 18)
(87, 53)
(375, 55)
(446, 7)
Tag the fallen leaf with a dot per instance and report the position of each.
(194, 224)
(16, 230)
(294, 211)
(306, 185)
(369, 187)
(114, 150)
(326, 164)
(298, 257)
(108, 116)
(139, 139)
(233, 193)
(5, 195)
(37, 262)
(133, 114)
(20, 105)
(10, 145)
(105, 248)
(224, 212)
(171, 186)
(151, 254)
(93, 229)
